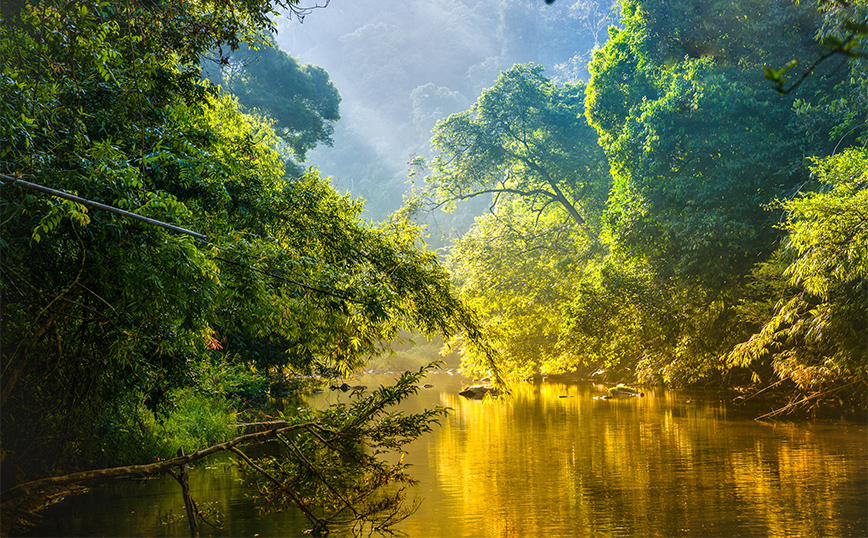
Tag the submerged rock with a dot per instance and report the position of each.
(344, 387)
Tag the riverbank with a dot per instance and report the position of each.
(551, 460)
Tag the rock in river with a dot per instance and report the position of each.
(477, 392)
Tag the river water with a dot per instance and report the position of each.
(551, 461)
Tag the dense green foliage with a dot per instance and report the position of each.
(814, 336)
(524, 137)
(115, 331)
(694, 280)
(301, 99)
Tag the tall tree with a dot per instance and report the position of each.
(524, 137)
(301, 99)
(699, 145)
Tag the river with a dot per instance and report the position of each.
(551, 461)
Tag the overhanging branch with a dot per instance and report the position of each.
(96, 205)
(12, 494)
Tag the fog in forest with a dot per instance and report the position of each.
(401, 66)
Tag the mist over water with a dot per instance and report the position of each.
(401, 66)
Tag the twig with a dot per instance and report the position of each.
(761, 391)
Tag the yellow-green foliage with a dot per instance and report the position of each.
(819, 332)
(197, 420)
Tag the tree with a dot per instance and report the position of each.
(816, 335)
(693, 169)
(698, 146)
(524, 143)
(300, 99)
(106, 320)
(523, 137)
(518, 269)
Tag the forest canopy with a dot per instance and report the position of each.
(693, 213)
(730, 216)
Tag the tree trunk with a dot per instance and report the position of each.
(189, 504)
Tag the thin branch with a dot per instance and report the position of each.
(310, 515)
(257, 468)
(840, 49)
(300, 456)
(96, 205)
(294, 282)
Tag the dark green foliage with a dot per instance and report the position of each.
(694, 169)
(699, 147)
(748, 34)
(301, 99)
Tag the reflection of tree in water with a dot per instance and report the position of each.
(535, 464)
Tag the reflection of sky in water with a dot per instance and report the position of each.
(537, 464)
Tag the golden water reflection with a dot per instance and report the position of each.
(552, 461)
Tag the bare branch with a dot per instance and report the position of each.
(151, 469)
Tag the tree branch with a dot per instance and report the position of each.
(96, 205)
(10, 495)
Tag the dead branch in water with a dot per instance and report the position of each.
(131, 471)
(792, 406)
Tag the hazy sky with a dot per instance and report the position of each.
(400, 65)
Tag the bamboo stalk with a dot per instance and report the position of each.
(96, 205)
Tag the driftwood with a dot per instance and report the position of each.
(12, 494)
(792, 406)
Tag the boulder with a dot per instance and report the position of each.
(623, 391)
(477, 392)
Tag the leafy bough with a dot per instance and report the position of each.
(332, 464)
